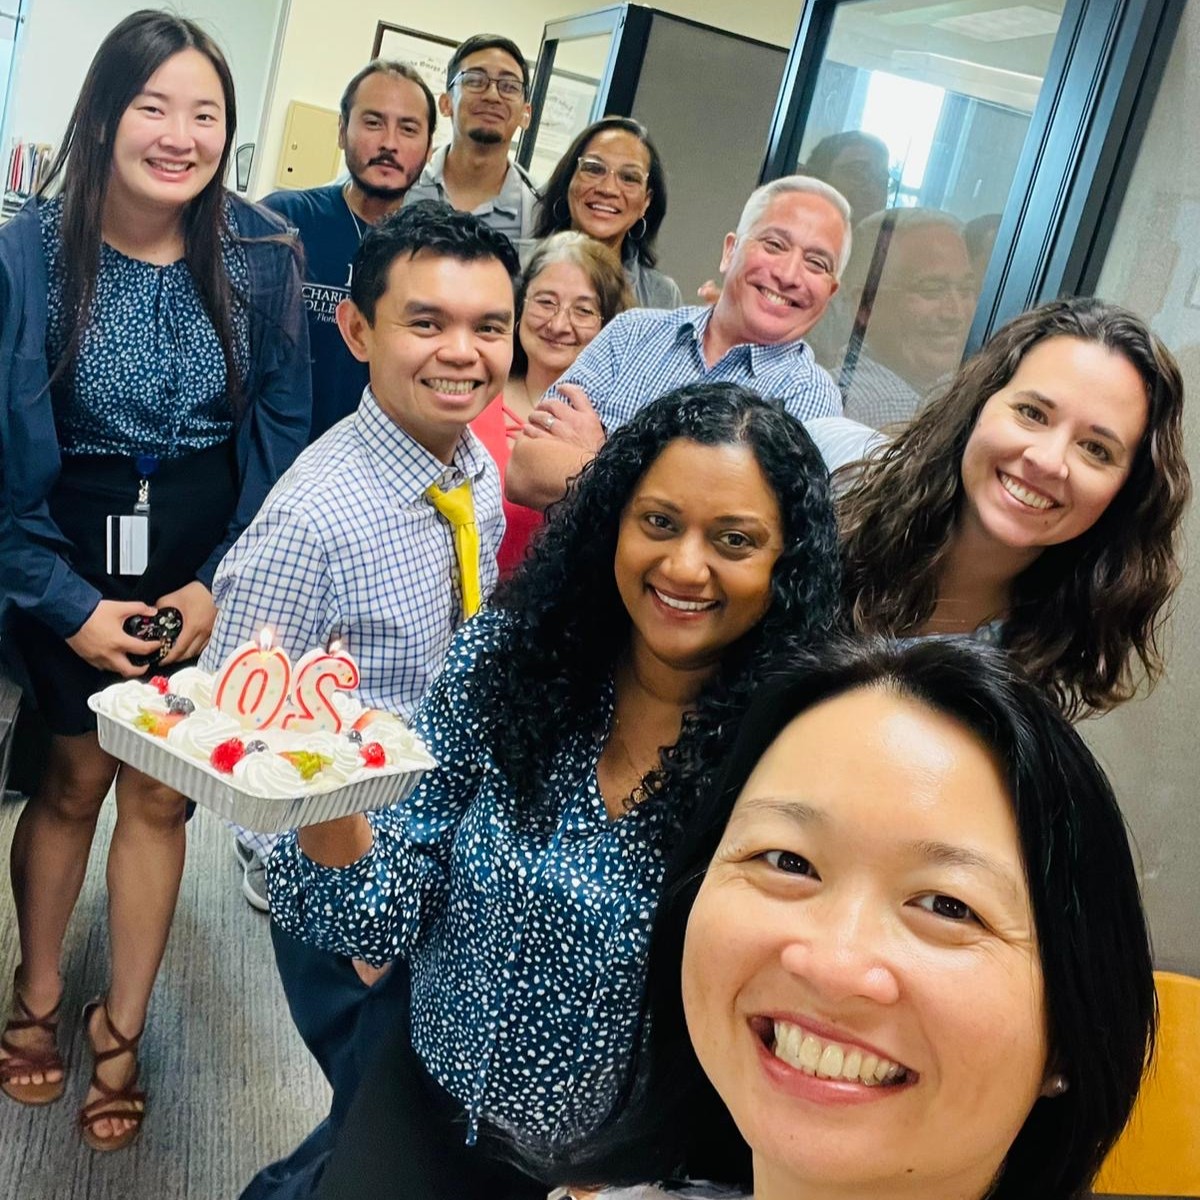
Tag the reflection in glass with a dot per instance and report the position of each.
(570, 97)
(920, 109)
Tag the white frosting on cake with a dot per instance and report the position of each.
(266, 773)
(198, 735)
(127, 701)
(194, 684)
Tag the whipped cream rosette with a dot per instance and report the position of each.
(262, 743)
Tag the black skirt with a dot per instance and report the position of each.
(191, 502)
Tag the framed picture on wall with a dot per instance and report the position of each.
(566, 110)
(427, 52)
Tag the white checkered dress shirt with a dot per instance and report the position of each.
(645, 353)
(876, 395)
(347, 544)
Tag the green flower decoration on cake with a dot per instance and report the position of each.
(307, 762)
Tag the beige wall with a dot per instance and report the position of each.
(62, 36)
(324, 45)
(1152, 747)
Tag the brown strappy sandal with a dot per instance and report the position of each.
(114, 1103)
(29, 1060)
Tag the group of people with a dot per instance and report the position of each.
(760, 852)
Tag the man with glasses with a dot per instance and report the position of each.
(912, 289)
(487, 101)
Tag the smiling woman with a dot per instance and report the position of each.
(895, 916)
(570, 289)
(574, 723)
(1037, 502)
(154, 386)
(611, 185)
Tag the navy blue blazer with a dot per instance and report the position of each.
(271, 431)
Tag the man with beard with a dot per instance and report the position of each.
(487, 101)
(386, 128)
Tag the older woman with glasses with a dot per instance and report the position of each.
(610, 184)
(571, 288)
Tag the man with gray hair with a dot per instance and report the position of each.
(781, 267)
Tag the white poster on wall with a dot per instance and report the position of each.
(428, 53)
(566, 111)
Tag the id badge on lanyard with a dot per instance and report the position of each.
(128, 534)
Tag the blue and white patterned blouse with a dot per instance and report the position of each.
(150, 374)
(527, 946)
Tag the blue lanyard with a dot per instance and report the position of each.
(146, 465)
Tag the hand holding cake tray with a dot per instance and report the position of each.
(264, 743)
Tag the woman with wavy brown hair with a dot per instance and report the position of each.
(1037, 502)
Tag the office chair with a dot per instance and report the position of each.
(1159, 1152)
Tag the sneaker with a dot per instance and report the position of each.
(254, 876)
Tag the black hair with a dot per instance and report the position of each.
(487, 41)
(571, 625)
(825, 153)
(552, 213)
(131, 52)
(388, 66)
(426, 227)
(1091, 933)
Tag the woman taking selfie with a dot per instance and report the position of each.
(156, 385)
(900, 919)
(573, 723)
(1037, 504)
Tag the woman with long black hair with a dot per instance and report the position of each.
(155, 386)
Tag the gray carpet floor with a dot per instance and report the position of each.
(230, 1084)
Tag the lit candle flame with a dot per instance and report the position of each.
(334, 645)
(266, 638)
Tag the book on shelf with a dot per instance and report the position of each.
(28, 165)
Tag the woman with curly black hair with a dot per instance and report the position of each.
(573, 724)
(1037, 503)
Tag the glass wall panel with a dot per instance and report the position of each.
(919, 115)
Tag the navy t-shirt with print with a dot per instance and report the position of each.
(330, 235)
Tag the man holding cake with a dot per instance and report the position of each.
(384, 532)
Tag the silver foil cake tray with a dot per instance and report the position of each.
(209, 788)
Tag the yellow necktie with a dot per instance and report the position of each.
(458, 508)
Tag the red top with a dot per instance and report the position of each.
(493, 427)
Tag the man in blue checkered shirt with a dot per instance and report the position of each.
(781, 267)
(348, 544)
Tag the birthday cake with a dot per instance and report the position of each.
(260, 731)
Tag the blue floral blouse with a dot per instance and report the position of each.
(150, 374)
(527, 945)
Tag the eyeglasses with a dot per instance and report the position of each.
(595, 170)
(478, 81)
(581, 314)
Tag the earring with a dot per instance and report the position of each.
(1056, 1085)
(564, 221)
(637, 237)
